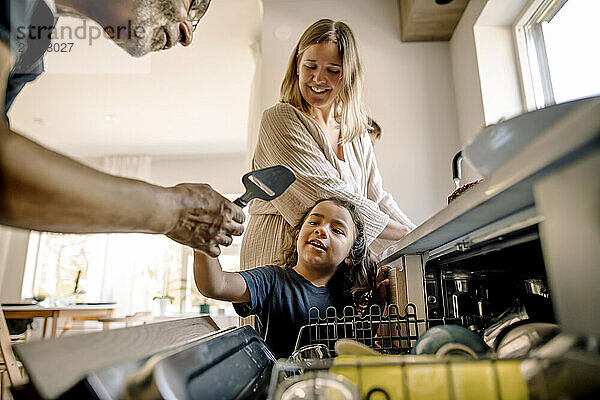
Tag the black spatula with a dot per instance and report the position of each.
(266, 184)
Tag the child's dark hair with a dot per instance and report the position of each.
(359, 272)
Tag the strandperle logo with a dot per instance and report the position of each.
(87, 31)
(79, 46)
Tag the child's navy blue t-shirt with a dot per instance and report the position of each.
(281, 298)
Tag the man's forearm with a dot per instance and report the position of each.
(44, 190)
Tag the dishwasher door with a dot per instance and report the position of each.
(182, 359)
(232, 364)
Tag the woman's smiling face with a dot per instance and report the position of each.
(319, 74)
(326, 236)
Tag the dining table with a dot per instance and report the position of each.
(79, 311)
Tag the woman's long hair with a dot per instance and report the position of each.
(359, 273)
(348, 110)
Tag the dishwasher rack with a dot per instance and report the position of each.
(386, 330)
(406, 377)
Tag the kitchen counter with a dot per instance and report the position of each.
(509, 189)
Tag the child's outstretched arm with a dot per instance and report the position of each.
(213, 282)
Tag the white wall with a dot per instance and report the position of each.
(499, 73)
(497, 56)
(408, 90)
(222, 171)
(484, 67)
(465, 72)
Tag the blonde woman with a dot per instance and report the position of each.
(320, 131)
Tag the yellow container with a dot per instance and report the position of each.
(427, 377)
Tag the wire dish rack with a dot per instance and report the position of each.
(387, 330)
(397, 375)
(405, 377)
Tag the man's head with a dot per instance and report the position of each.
(141, 26)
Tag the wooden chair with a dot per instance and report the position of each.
(9, 363)
(141, 316)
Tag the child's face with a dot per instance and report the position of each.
(326, 236)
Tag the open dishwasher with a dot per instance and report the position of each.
(497, 291)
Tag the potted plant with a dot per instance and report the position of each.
(168, 292)
(200, 302)
(164, 300)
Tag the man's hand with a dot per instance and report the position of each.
(205, 219)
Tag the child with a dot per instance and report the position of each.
(327, 264)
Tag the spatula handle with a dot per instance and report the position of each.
(240, 202)
(244, 199)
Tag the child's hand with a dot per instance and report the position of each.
(382, 283)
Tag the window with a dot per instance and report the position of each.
(558, 49)
(130, 269)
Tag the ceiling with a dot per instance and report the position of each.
(96, 100)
